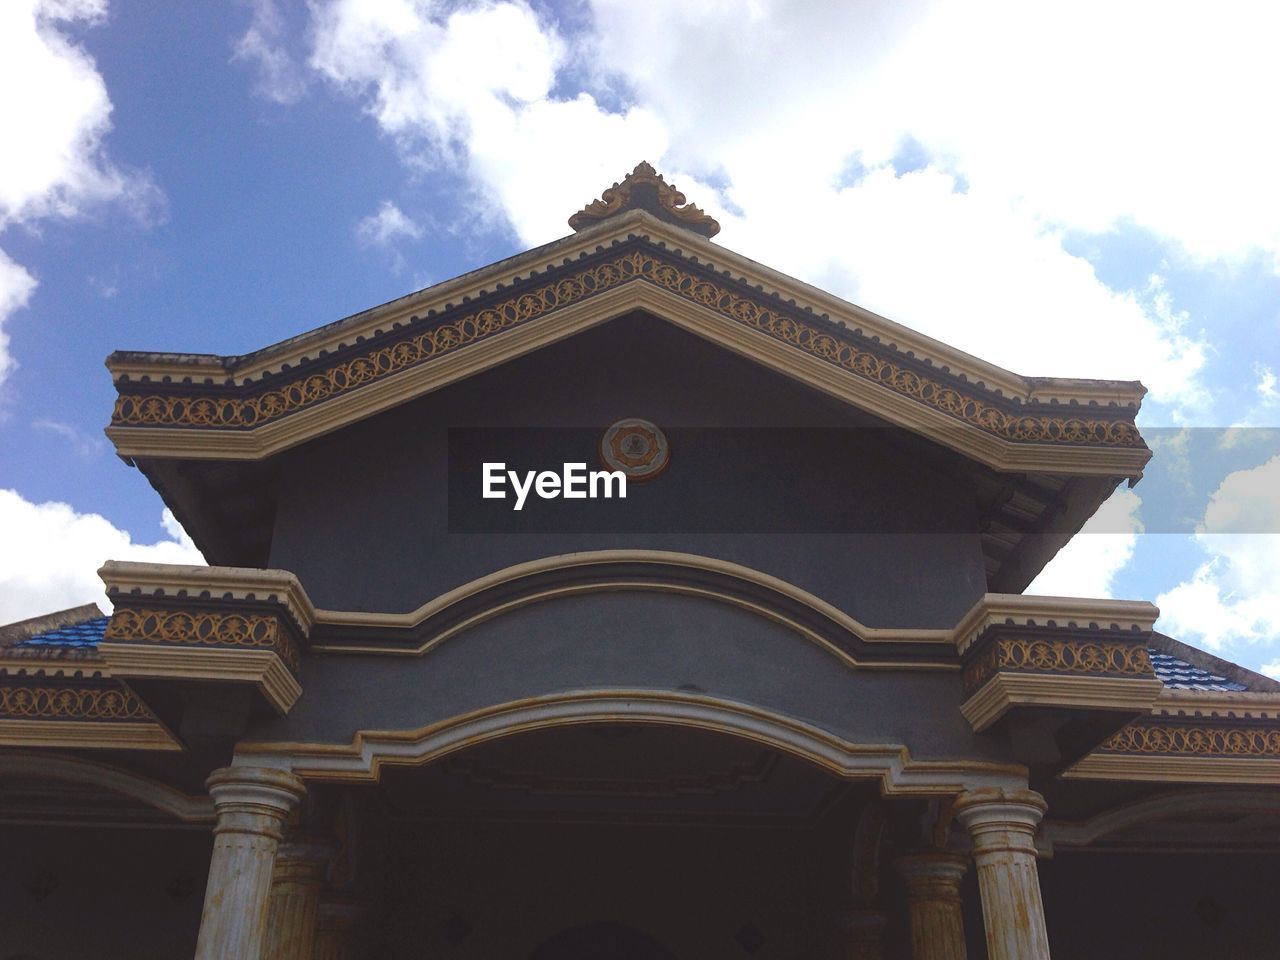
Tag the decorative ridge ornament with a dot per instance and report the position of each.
(645, 189)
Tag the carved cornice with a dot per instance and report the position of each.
(241, 411)
(1095, 616)
(69, 712)
(1024, 652)
(1240, 705)
(1166, 737)
(207, 623)
(1007, 691)
(1044, 655)
(644, 187)
(37, 701)
(179, 582)
(202, 628)
(1161, 748)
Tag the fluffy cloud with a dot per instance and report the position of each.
(476, 89)
(386, 226)
(16, 286)
(1232, 601)
(279, 77)
(1087, 566)
(60, 166)
(1087, 116)
(53, 555)
(821, 125)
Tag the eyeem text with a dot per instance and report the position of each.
(573, 482)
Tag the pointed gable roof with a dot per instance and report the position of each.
(249, 407)
(1063, 444)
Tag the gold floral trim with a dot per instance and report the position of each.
(616, 199)
(71, 703)
(1195, 740)
(220, 412)
(202, 629)
(1059, 656)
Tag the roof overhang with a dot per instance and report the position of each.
(251, 407)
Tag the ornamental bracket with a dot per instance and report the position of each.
(645, 189)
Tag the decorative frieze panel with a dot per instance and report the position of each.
(204, 628)
(71, 701)
(1187, 749)
(169, 623)
(1065, 657)
(236, 407)
(77, 712)
(1077, 659)
(1163, 736)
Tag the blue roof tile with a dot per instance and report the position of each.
(86, 635)
(1181, 675)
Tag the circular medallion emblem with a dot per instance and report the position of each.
(635, 447)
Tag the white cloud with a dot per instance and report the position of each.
(53, 553)
(59, 165)
(386, 226)
(475, 90)
(85, 446)
(775, 101)
(1267, 392)
(53, 164)
(974, 272)
(1088, 564)
(16, 286)
(1087, 116)
(280, 78)
(1272, 669)
(1232, 601)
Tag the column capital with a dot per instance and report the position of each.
(934, 905)
(303, 857)
(1001, 819)
(254, 800)
(933, 874)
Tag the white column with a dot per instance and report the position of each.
(252, 804)
(294, 902)
(1002, 826)
(933, 901)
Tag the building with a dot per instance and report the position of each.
(786, 699)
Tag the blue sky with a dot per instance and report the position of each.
(1086, 190)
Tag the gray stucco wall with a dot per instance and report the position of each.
(640, 640)
(363, 514)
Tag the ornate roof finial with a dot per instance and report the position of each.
(644, 189)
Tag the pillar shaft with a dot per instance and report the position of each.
(862, 935)
(934, 904)
(1002, 826)
(294, 902)
(251, 805)
(338, 937)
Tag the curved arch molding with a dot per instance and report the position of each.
(167, 799)
(890, 764)
(566, 575)
(413, 633)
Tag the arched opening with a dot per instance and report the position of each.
(94, 851)
(594, 940)
(633, 841)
